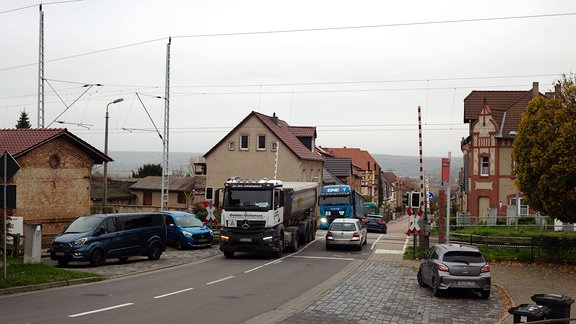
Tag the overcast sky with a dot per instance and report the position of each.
(357, 70)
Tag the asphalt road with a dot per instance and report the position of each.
(211, 290)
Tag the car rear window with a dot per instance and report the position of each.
(463, 256)
(376, 218)
(343, 227)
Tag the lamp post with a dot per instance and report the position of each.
(105, 198)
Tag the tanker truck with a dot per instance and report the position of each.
(266, 216)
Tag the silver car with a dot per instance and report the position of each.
(454, 266)
(346, 232)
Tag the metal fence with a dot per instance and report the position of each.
(544, 248)
(543, 223)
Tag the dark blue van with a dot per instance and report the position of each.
(95, 238)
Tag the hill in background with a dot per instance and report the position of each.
(403, 166)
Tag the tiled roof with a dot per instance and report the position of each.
(303, 131)
(155, 183)
(506, 106)
(389, 176)
(360, 158)
(329, 178)
(340, 167)
(284, 132)
(21, 141)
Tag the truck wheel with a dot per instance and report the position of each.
(295, 243)
(278, 254)
(229, 254)
(312, 234)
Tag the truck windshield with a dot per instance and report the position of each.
(83, 224)
(247, 199)
(334, 200)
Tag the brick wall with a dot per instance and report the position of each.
(53, 194)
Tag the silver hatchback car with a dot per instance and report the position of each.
(346, 232)
(454, 266)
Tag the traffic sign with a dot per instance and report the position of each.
(210, 217)
(8, 166)
(430, 195)
(414, 227)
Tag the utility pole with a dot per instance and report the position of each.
(41, 72)
(165, 153)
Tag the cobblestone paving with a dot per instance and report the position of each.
(383, 292)
(114, 268)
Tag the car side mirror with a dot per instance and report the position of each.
(100, 231)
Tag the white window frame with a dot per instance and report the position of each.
(274, 146)
(231, 146)
(484, 166)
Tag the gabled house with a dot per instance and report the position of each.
(262, 146)
(148, 191)
(53, 184)
(488, 181)
(365, 167)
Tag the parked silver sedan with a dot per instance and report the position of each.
(346, 232)
(454, 266)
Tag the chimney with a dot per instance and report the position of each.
(274, 119)
(557, 91)
(535, 91)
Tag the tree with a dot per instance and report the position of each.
(544, 154)
(24, 121)
(148, 170)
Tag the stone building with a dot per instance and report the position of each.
(53, 183)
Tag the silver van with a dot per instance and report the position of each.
(95, 238)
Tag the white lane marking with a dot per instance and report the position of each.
(385, 251)
(174, 293)
(378, 239)
(282, 258)
(100, 310)
(266, 264)
(325, 258)
(219, 280)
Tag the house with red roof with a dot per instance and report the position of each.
(365, 169)
(53, 184)
(487, 180)
(262, 146)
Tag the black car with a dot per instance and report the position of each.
(375, 223)
(454, 266)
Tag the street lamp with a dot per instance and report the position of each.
(105, 198)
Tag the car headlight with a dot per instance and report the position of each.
(187, 234)
(323, 220)
(80, 241)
